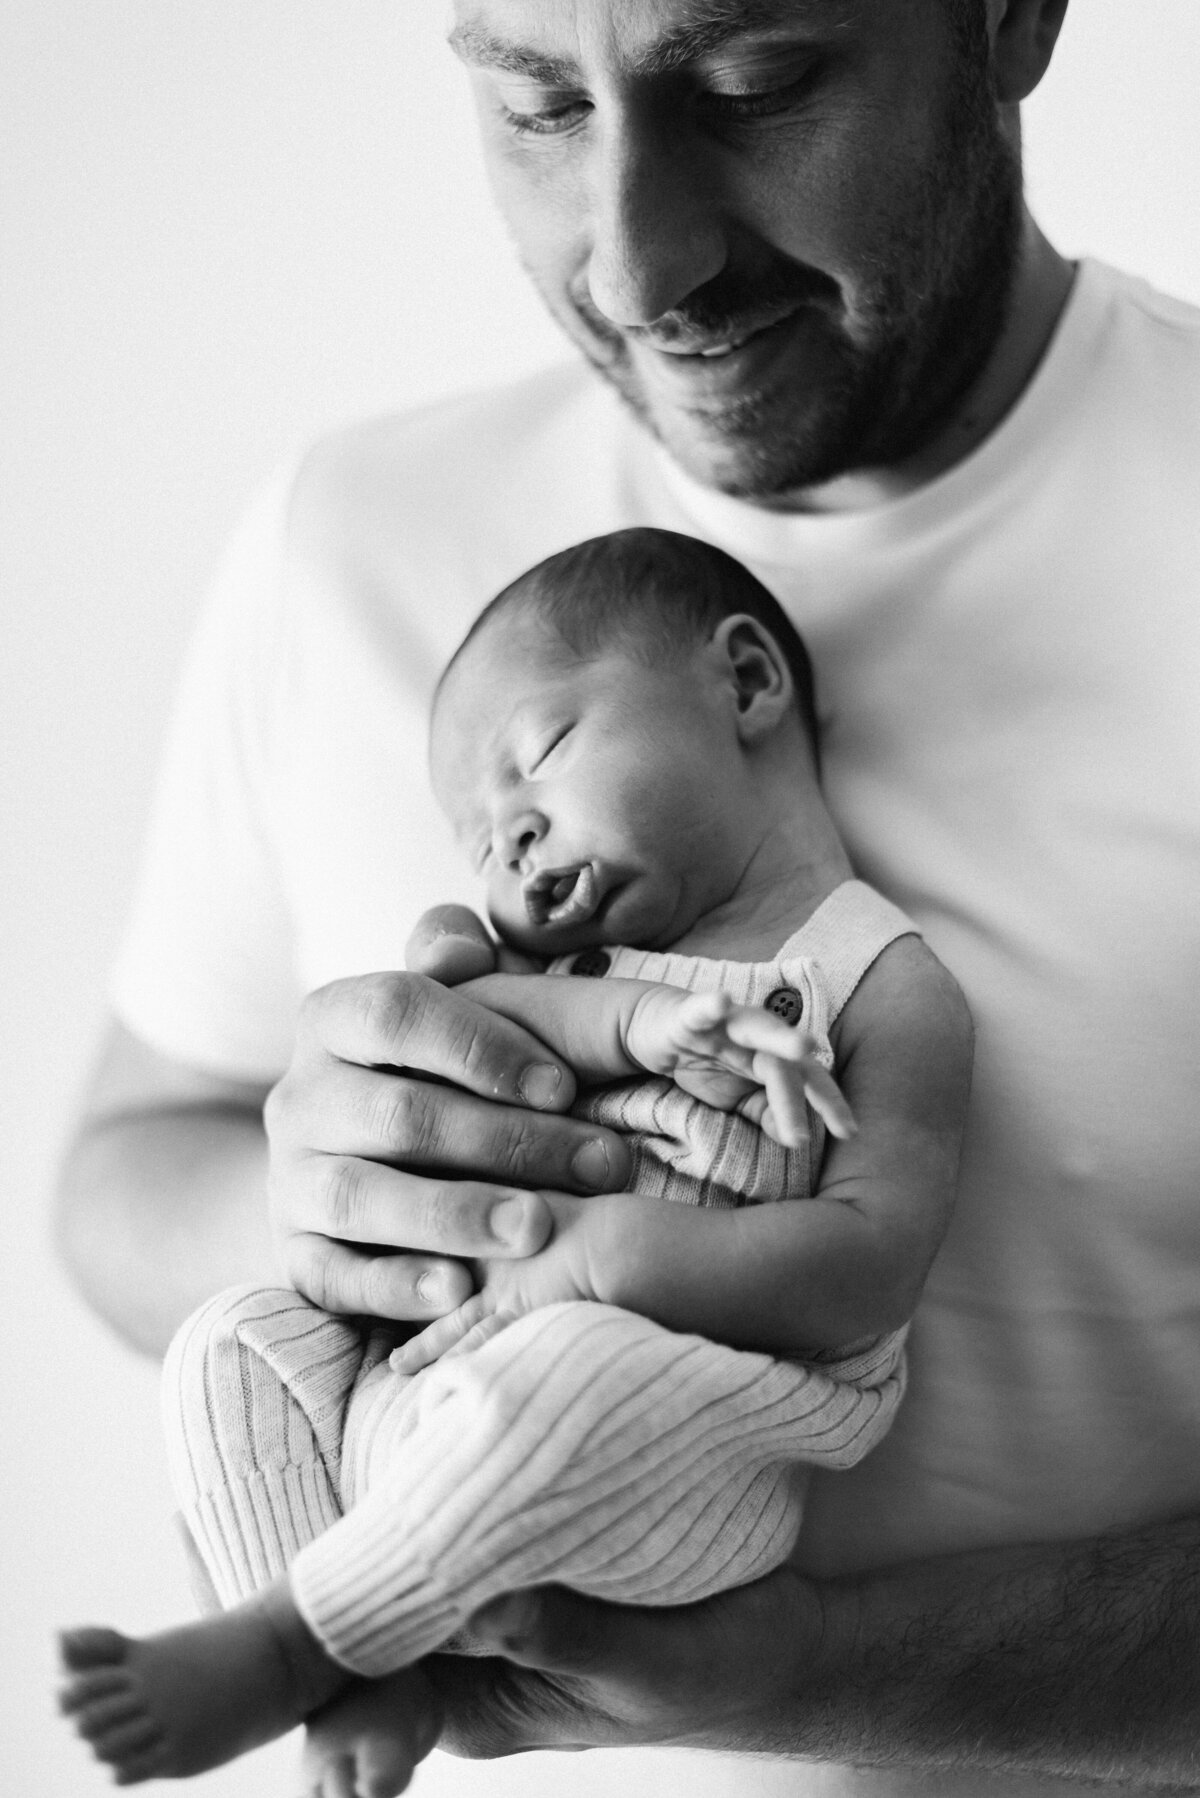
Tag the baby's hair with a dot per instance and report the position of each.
(648, 592)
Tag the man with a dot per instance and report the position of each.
(789, 236)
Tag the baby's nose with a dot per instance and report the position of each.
(515, 837)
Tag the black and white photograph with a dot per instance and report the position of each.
(600, 707)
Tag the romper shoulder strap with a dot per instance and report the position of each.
(845, 935)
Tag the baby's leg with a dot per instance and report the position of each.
(255, 1389)
(370, 1740)
(256, 1386)
(581, 1445)
(186, 1700)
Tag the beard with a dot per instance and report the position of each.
(893, 354)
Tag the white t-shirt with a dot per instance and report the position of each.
(1009, 676)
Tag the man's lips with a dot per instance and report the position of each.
(711, 345)
(719, 367)
(561, 896)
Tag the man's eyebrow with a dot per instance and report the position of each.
(716, 23)
(713, 24)
(473, 43)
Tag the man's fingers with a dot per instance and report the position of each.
(553, 1628)
(378, 1132)
(349, 1282)
(376, 1116)
(358, 1201)
(450, 944)
(408, 1020)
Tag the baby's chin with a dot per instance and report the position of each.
(546, 941)
(635, 922)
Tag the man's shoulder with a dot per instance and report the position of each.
(1132, 375)
(1145, 322)
(1149, 304)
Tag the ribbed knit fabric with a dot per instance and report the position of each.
(581, 1444)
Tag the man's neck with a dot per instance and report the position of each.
(1041, 287)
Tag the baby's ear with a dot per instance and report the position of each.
(757, 669)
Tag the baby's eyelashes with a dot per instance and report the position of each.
(550, 744)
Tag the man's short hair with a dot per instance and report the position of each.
(650, 592)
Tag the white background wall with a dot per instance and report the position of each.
(227, 226)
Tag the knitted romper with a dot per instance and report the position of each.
(581, 1445)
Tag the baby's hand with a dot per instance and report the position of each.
(738, 1058)
(508, 1289)
(467, 1328)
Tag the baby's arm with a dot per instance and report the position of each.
(734, 1057)
(845, 1264)
(850, 1261)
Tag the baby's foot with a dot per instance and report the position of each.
(368, 1741)
(168, 1706)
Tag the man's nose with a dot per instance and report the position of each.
(515, 834)
(657, 230)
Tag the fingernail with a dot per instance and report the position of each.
(509, 1220)
(431, 1288)
(590, 1164)
(539, 1084)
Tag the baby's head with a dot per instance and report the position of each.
(616, 736)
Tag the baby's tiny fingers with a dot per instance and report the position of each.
(436, 1339)
(753, 1028)
(825, 1096)
(702, 1012)
(785, 1117)
(481, 1332)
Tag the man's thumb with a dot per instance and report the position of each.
(547, 1627)
(450, 944)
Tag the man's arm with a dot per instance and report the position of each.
(1073, 1660)
(162, 1195)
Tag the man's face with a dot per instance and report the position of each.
(785, 230)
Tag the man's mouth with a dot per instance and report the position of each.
(561, 896)
(711, 346)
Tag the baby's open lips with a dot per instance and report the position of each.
(561, 895)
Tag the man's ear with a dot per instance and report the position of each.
(758, 673)
(1023, 34)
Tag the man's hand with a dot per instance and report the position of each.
(576, 1673)
(507, 1289)
(1063, 1660)
(414, 1120)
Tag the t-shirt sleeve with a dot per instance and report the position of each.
(206, 971)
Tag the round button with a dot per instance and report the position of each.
(786, 1003)
(592, 963)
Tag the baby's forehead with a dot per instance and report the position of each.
(497, 665)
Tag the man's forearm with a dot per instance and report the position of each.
(159, 1210)
(1070, 1661)
(1080, 1660)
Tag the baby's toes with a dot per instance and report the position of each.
(92, 1646)
(83, 1690)
(134, 1749)
(384, 1768)
(96, 1718)
(335, 1780)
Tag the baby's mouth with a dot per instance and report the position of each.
(561, 895)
